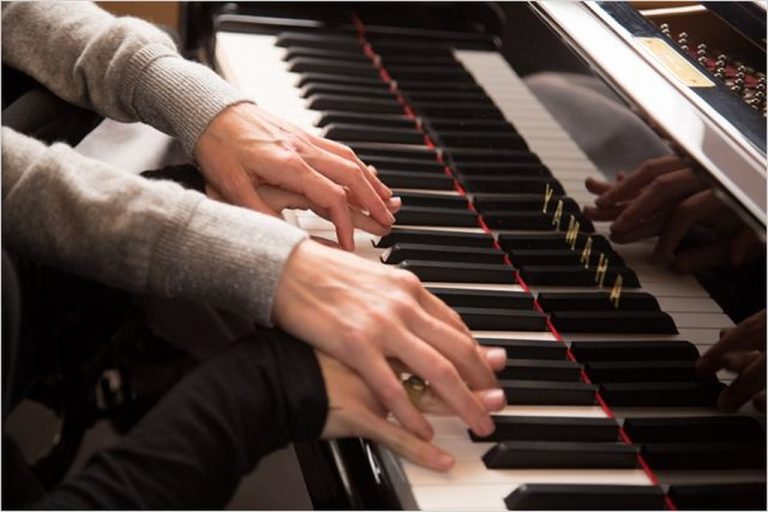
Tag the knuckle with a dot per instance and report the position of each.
(444, 371)
(407, 281)
(391, 391)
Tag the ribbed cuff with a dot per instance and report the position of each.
(177, 95)
(226, 256)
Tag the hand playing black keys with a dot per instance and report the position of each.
(665, 198)
(741, 350)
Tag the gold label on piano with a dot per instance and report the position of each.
(558, 216)
(616, 291)
(548, 191)
(675, 63)
(586, 254)
(572, 235)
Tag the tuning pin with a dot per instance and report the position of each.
(702, 46)
(722, 57)
(736, 88)
(684, 47)
(738, 81)
(702, 60)
(760, 87)
(760, 96)
(664, 27)
(682, 35)
(720, 72)
(720, 64)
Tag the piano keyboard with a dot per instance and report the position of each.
(557, 445)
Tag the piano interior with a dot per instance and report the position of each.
(605, 408)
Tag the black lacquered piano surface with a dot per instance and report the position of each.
(605, 409)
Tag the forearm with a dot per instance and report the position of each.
(125, 68)
(191, 450)
(88, 218)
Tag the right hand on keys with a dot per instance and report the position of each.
(741, 349)
(355, 411)
(363, 314)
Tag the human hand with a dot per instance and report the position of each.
(364, 313)
(741, 349)
(665, 198)
(245, 146)
(355, 411)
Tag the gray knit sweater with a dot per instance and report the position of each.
(87, 217)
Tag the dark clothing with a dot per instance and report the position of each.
(191, 450)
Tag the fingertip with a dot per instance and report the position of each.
(444, 462)
(494, 400)
(497, 358)
(394, 203)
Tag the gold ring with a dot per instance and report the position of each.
(415, 386)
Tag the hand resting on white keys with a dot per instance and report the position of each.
(245, 146)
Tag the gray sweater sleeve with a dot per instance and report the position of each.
(124, 68)
(84, 216)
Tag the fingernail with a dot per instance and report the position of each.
(497, 357)
(390, 217)
(494, 400)
(395, 202)
(445, 461)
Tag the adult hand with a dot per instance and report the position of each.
(245, 146)
(355, 411)
(364, 313)
(741, 350)
(665, 198)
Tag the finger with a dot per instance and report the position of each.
(691, 211)
(630, 186)
(402, 442)
(347, 153)
(738, 361)
(439, 309)
(332, 198)
(461, 349)
(747, 335)
(697, 259)
(496, 357)
(602, 214)
(237, 188)
(445, 380)
(493, 400)
(658, 196)
(388, 388)
(359, 220)
(596, 186)
(746, 385)
(394, 204)
(649, 228)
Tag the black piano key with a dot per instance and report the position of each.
(435, 216)
(407, 85)
(514, 184)
(532, 349)
(541, 369)
(354, 104)
(405, 236)
(306, 79)
(312, 90)
(547, 241)
(529, 392)
(458, 109)
(469, 156)
(642, 371)
(481, 139)
(701, 456)
(320, 41)
(695, 429)
(416, 179)
(373, 134)
(453, 124)
(574, 275)
(585, 497)
(495, 319)
(460, 272)
(417, 97)
(529, 221)
(435, 200)
(740, 496)
(439, 59)
(404, 164)
(550, 428)
(661, 394)
(647, 350)
(389, 47)
(334, 67)
(560, 455)
(410, 152)
(520, 202)
(297, 52)
(401, 252)
(436, 74)
(595, 301)
(384, 120)
(557, 257)
(459, 297)
(531, 168)
(618, 322)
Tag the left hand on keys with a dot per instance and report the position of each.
(245, 146)
(742, 350)
(665, 198)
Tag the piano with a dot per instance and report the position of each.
(605, 410)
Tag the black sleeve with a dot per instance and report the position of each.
(192, 449)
